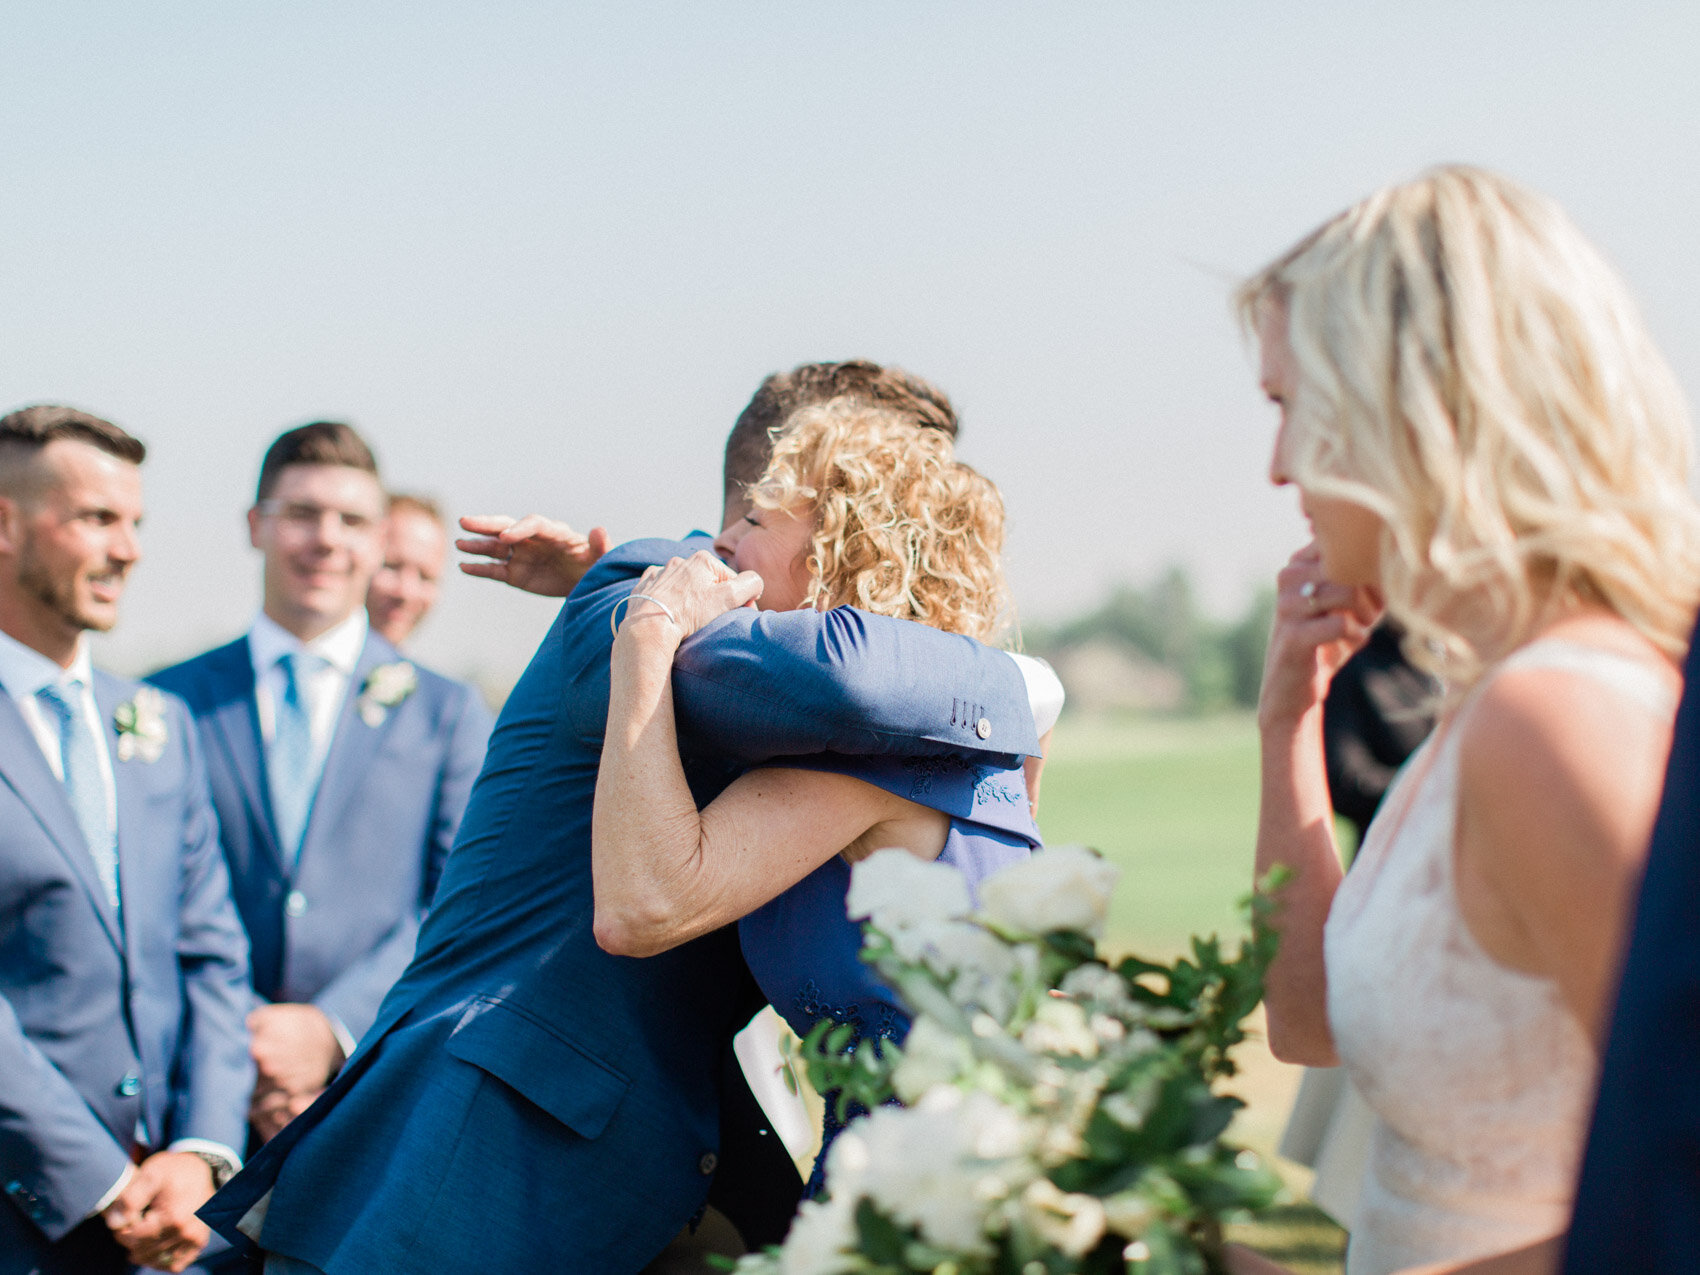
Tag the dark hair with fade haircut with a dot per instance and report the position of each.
(29, 429)
(751, 440)
(316, 443)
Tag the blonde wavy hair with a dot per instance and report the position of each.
(900, 526)
(1472, 371)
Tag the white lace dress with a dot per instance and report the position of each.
(1480, 1079)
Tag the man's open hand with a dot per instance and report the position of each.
(154, 1216)
(534, 553)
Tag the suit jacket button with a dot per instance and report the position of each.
(983, 728)
(708, 1164)
(130, 1086)
(296, 903)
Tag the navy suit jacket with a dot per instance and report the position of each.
(1638, 1202)
(106, 1023)
(527, 1101)
(337, 928)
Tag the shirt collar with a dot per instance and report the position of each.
(339, 646)
(24, 670)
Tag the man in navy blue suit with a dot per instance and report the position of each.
(124, 1069)
(339, 769)
(527, 1101)
(1638, 1202)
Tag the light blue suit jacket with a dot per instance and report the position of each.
(525, 1101)
(337, 927)
(106, 1024)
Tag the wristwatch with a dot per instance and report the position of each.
(222, 1169)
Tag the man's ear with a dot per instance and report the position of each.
(11, 524)
(254, 527)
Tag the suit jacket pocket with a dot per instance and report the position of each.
(579, 1090)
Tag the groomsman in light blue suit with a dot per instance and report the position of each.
(124, 1069)
(339, 769)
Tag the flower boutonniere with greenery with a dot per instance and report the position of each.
(385, 687)
(141, 726)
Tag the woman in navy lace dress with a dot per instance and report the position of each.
(859, 508)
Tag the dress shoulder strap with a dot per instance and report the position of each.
(1630, 677)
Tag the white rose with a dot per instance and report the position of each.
(1072, 1222)
(943, 1165)
(895, 890)
(1060, 1027)
(932, 1056)
(1064, 888)
(821, 1237)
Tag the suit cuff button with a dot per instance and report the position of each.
(983, 728)
(708, 1164)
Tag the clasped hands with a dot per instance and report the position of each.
(154, 1215)
(295, 1054)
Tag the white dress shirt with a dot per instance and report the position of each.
(23, 672)
(324, 689)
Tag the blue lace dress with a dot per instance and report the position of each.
(804, 950)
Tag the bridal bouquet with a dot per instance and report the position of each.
(1059, 1112)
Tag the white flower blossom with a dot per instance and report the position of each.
(932, 1055)
(1060, 1027)
(1069, 1220)
(821, 1238)
(1128, 1213)
(945, 1164)
(384, 688)
(1063, 888)
(908, 899)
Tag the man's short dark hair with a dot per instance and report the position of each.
(29, 429)
(748, 446)
(317, 443)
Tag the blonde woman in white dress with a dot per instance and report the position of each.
(1487, 444)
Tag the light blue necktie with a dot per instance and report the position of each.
(84, 785)
(289, 761)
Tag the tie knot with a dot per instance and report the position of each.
(60, 696)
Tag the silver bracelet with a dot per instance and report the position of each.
(614, 615)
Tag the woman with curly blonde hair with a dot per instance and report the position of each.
(1486, 444)
(857, 508)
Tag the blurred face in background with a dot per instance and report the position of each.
(321, 531)
(406, 584)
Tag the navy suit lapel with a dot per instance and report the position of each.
(236, 721)
(352, 747)
(26, 771)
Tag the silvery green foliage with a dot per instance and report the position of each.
(1059, 1112)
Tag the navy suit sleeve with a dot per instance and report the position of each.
(353, 997)
(212, 958)
(760, 684)
(56, 1156)
(1638, 1201)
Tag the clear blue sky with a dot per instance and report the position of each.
(541, 253)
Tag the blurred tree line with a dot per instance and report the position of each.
(1218, 665)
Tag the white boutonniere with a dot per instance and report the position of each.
(386, 686)
(141, 726)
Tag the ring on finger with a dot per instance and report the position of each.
(1307, 591)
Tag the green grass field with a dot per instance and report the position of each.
(1173, 803)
